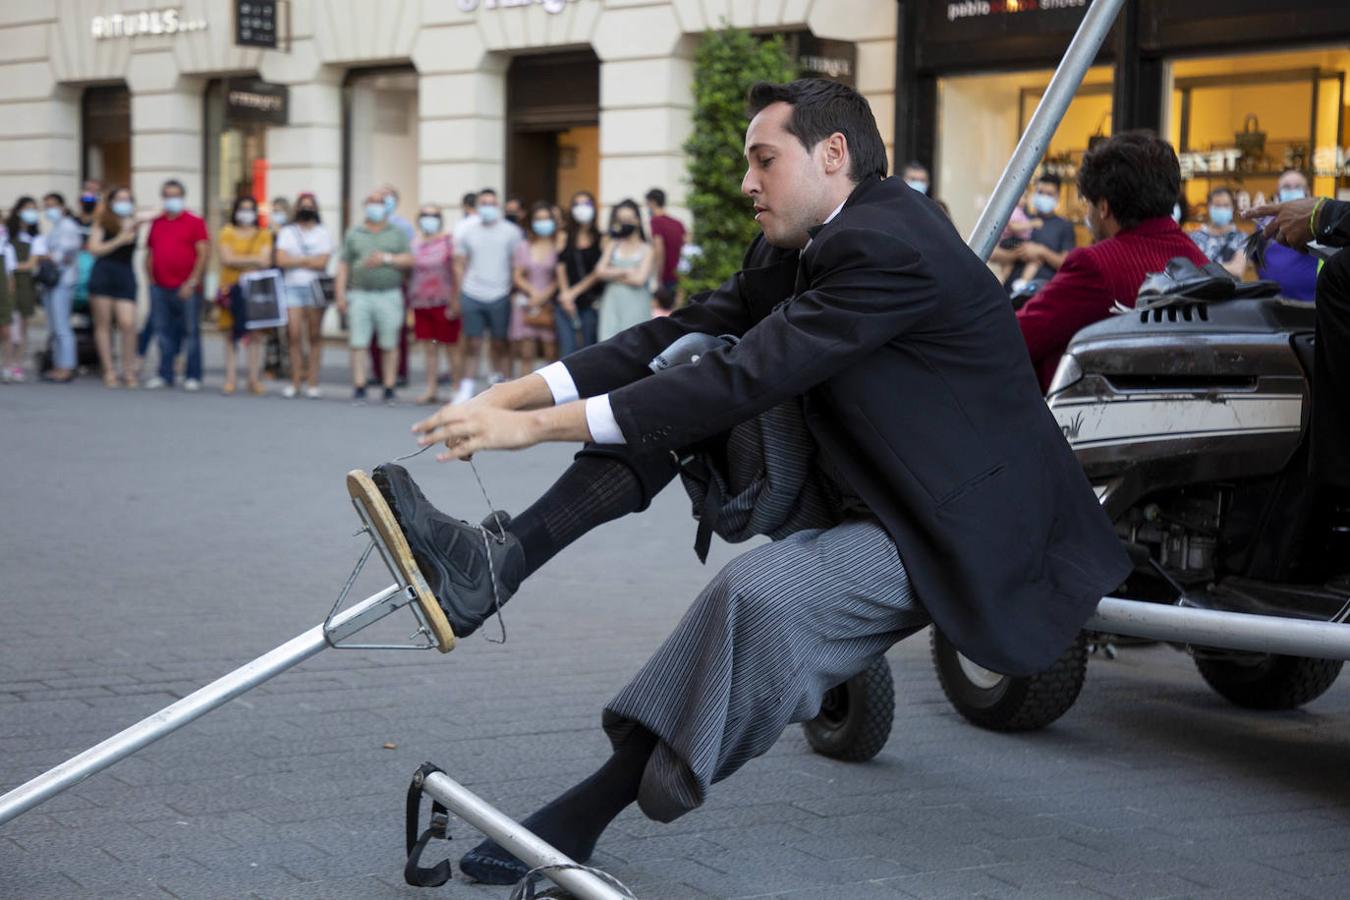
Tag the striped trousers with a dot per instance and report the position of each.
(776, 629)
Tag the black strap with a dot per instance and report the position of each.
(414, 874)
(698, 467)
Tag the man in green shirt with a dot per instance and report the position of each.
(375, 257)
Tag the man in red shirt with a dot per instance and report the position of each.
(1130, 183)
(176, 259)
(669, 238)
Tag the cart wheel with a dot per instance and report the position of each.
(1269, 681)
(1004, 703)
(855, 718)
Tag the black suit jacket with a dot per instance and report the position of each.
(916, 382)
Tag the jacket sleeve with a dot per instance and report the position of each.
(864, 288)
(1334, 224)
(623, 359)
(1076, 297)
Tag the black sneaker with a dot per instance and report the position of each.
(390, 398)
(359, 396)
(452, 554)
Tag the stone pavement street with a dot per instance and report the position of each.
(150, 542)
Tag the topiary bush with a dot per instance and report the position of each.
(727, 63)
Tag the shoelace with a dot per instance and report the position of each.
(488, 539)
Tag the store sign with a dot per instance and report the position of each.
(975, 9)
(550, 6)
(818, 58)
(255, 23)
(163, 22)
(249, 101)
(1193, 163)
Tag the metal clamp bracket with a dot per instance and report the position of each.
(334, 633)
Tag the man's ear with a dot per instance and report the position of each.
(836, 153)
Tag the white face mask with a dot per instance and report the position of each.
(278, 218)
(917, 184)
(246, 217)
(583, 213)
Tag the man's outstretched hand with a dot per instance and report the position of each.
(505, 417)
(1290, 223)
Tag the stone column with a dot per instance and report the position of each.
(166, 128)
(306, 155)
(40, 144)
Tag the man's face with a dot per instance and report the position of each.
(1291, 182)
(917, 178)
(1046, 198)
(786, 182)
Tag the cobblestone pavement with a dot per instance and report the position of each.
(151, 542)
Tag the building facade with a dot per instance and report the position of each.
(438, 97)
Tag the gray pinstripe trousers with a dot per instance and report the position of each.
(775, 629)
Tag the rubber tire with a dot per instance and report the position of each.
(1272, 682)
(1014, 704)
(855, 718)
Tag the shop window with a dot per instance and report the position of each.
(381, 139)
(105, 134)
(1238, 121)
(236, 156)
(982, 117)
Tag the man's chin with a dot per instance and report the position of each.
(785, 241)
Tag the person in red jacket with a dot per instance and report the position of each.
(1130, 183)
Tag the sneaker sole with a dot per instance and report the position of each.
(379, 516)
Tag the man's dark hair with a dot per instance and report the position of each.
(915, 164)
(1223, 189)
(470, 200)
(819, 109)
(485, 191)
(1136, 172)
(59, 198)
(1050, 178)
(657, 196)
(173, 183)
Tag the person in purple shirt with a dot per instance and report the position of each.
(1294, 272)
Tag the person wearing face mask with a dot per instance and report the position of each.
(514, 211)
(61, 245)
(303, 250)
(243, 247)
(177, 251)
(374, 258)
(625, 269)
(1219, 239)
(25, 238)
(1130, 183)
(468, 214)
(434, 297)
(391, 201)
(536, 280)
(484, 257)
(916, 176)
(579, 287)
(1294, 272)
(90, 194)
(112, 283)
(1047, 241)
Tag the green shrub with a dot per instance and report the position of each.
(728, 62)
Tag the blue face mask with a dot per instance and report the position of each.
(1221, 215)
(1287, 194)
(54, 214)
(1044, 204)
(430, 224)
(543, 227)
(123, 208)
(28, 216)
(375, 213)
(488, 213)
(916, 184)
(173, 205)
(390, 203)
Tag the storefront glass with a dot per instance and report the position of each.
(236, 157)
(105, 133)
(1238, 121)
(381, 127)
(553, 133)
(981, 118)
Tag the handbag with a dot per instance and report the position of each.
(1251, 140)
(540, 316)
(47, 274)
(323, 290)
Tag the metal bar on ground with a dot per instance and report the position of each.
(198, 703)
(1222, 630)
(1036, 140)
(528, 847)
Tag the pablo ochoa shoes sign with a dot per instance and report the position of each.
(160, 22)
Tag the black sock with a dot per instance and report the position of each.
(574, 821)
(594, 490)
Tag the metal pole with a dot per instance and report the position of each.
(217, 693)
(525, 844)
(1224, 630)
(1031, 148)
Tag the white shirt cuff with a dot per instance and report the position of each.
(560, 384)
(600, 420)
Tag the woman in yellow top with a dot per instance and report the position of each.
(243, 247)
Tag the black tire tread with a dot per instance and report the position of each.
(1290, 681)
(871, 715)
(1030, 703)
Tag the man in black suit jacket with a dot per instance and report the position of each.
(860, 302)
